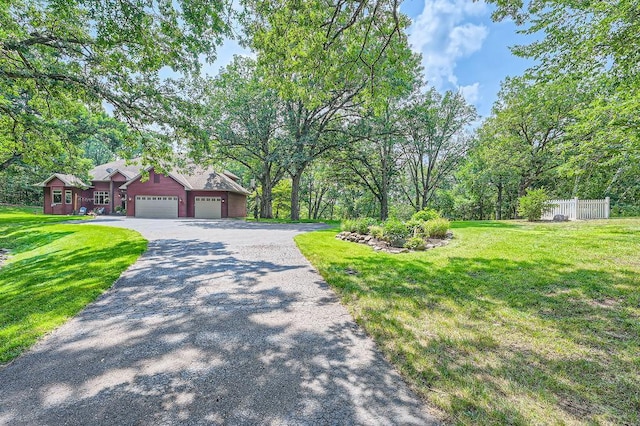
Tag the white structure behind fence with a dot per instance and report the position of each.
(579, 209)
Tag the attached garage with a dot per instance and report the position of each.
(208, 207)
(156, 206)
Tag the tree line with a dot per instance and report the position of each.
(331, 118)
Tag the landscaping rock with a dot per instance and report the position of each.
(395, 247)
(560, 218)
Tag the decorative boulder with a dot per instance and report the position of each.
(560, 218)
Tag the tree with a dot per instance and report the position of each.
(324, 60)
(59, 57)
(594, 42)
(528, 129)
(374, 152)
(437, 142)
(241, 118)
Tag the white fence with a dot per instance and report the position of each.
(579, 209)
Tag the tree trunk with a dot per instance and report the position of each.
(266, 202)
(384, 205)
(499, 202)
(295, 195)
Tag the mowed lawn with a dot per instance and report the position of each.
(54, 271)
(512, 323)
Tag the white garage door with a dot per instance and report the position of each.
(208, 207)
(156, 206)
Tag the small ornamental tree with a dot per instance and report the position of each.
(533, 205)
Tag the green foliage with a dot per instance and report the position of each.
(416, 228)
(415, 243)
(45, 281)
(500, 314)
(436, 228)
(360, 226)
(395, 232)
(376, 231)
(62, 60)
(425, 214)
(533, 205)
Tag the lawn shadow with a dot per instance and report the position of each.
(566, 338)
(192, 334)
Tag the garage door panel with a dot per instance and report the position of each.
(156, 206)
(208, 207)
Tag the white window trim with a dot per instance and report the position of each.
(105, 199)
(70, 194)
(53, 196)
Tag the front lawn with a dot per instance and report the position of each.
(512, 323)
(54, 270)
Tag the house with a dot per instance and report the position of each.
(199, 192)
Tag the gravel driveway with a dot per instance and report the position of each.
(219, 322)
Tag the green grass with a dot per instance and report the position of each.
(512, 323)
(327, 221)
(54, 271)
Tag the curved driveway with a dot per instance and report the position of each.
(219, 322)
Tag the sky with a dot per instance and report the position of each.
(462, 48)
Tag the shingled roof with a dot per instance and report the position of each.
(103, 172)
(208, 179)
(68, 180)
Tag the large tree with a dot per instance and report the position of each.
(436, 127)
(324, 59)
(241, 116)
(374, 154)
(58, 57)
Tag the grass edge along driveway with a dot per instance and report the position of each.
(54, 271)
(512, 323)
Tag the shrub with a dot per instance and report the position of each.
(395, 232)
(533, 205)
(437, 228)
(416, 228)
(361, 226)
(425, 215)
(376, 231)
(415, 243)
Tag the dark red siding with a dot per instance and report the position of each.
(62, 207)
(166, 186)
(237, 205)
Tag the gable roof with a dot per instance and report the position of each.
(199, 179)
(103, 172)
(208, 179)
(68, 180)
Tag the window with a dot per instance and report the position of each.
(101, 197)
(68, 197)
(57, 196)
(156, 178)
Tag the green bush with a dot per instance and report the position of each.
(416, 228)
(425, 215)
(361, 226)
(395, 232)
(533, 205)
(376, 231)
(437, 228)
(415, 243)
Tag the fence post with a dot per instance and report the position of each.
(575, 208)
(607, 207)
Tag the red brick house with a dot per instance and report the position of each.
(199, 192)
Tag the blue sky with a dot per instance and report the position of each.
(462, 48)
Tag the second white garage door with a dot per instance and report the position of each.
(156, 206)
(208, 208)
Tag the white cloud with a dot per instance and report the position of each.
(443, 35)
(471, 92)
